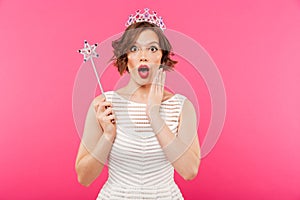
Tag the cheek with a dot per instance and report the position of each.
(157, 58)
(130, 61)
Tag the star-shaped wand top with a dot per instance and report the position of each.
(89, 51)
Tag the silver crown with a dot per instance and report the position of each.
(146, 17)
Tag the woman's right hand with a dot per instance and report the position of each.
(105, 116)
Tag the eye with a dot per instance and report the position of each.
(153, 49)
(133, 49)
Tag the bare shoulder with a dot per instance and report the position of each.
(188, 108)
(167, 95)
(188, 112)
(188, 104)
(121, 90)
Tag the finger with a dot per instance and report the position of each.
(108, 111)
(109, 119)
(154, 82)
(163, 80)
(161, 83)
(156, 77)
(97, 102)
(103, 106)
(106, 105)
(151, 89)
(158, 83)
(100, 99)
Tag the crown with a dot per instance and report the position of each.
(146, 17)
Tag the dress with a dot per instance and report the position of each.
(137, 166)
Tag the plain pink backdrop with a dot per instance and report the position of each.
(255, 45)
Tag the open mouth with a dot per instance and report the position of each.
(143, 71)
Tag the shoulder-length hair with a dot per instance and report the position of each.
(122, 45)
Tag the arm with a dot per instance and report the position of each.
(96, 142)
(183, 149)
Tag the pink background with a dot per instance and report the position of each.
(255, 45)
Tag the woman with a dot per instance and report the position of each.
(143, 131)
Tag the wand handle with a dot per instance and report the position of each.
(96, 73)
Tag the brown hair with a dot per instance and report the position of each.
(122, 45)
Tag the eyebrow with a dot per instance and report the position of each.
(153, 42)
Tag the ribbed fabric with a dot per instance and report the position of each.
(138, 168)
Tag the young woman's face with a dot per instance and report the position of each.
(144, 57)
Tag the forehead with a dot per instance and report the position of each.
(146, 37)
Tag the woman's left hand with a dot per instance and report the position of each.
(156, 94)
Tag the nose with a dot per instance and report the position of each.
(143, 56)
(143, 59)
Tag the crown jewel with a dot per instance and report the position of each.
(146, 17)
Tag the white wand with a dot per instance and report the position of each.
(89, 51)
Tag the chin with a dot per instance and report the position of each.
(144, 82)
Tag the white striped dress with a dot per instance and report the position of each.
(138, 168)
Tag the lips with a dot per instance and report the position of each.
(143, 71)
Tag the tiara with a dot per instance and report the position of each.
(146, 17)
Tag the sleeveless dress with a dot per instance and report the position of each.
(137, 166)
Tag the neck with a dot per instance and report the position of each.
(135, 90)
